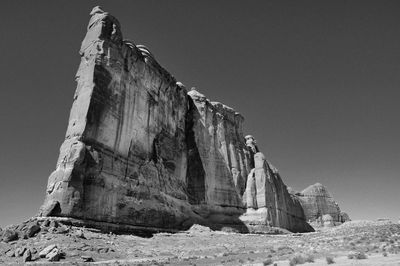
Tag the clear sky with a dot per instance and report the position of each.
(317, 81)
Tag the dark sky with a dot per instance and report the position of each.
(317, 81)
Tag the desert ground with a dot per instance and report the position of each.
(52, 242)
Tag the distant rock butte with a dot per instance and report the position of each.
(141, 153)
(320, 207)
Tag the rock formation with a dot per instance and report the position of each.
(327, 220)
(268, 201)
(143, 154)
(320, 207)
(344, 217)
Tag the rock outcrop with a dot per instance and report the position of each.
(268, 201)
(320, 207)
(143, 154)
(124, 158)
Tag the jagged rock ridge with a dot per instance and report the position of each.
(142, 153)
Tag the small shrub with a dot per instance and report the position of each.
(267, 262)
(298, 259)
(361, 256)
(309, 258)
(285, 250)
(329, 260)
(357, 256)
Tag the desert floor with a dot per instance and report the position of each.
(353, 243)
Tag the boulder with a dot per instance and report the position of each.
(9, 235)
(53, 224)
(62, 230)
(199, 229)
(32, 229)
(87, 259)
(20, 251)
(46, 223)
(47, 250)
(33, 250)
(54, 255)
(27, 256)
(79, 233)
(10, 253)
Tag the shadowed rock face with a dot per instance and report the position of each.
(142, 152)
(219, 139)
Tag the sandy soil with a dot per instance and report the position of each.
(379, 241)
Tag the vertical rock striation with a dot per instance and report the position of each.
(319, 206)
(142, 153)
(218, 135)
(124, 155)
(268, 201)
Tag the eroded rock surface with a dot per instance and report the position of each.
(142, 153)
(320, 207)
(268, 200)
(124, 156)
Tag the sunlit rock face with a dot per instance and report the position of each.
(269, 202)
(142, 153)
(318, 203)
(124, 158)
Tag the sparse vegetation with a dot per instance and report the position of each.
(357, 256)
(227, 249)
(296, 260)
(267, 262)
(309, 258)
(300, 259)
(329, 260)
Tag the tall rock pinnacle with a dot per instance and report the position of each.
(143, 154)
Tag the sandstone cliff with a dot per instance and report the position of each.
(320, 207)
(142, 153)
(124, 154)
(268, 200)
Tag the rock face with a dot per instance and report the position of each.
(218, 160)
(142, 153)
(318, 203)
(268, 200)
(124, 158)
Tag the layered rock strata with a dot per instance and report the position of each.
(142, 153)
(320, 207)
(269, 204)
(124, 158)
